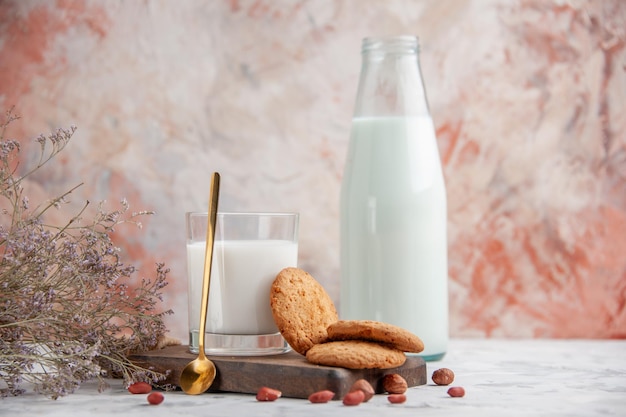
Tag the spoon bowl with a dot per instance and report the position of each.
(198, 375)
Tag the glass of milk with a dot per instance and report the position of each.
(250, 250)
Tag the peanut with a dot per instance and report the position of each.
(364, 386)
(321, 396)
(456, 392)
(354, 398)
(443, 376)
(139, 388)
(396, 398)
(155, 398)
(394, 384)
(268, 394)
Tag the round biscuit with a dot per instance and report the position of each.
(301, 308)
(356, 354)
(376, 331)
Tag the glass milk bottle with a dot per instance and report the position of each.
(393, 201)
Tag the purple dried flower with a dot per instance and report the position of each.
(68, 304)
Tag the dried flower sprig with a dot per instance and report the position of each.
(68, 311)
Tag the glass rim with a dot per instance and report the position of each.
(245, 213)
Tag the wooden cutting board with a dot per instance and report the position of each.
(290, 373)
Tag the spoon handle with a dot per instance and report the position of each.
(208, 259)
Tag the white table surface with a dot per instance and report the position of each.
(500, 377)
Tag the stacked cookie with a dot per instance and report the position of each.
(308, 320)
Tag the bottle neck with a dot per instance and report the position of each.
(395, 45)
(390, 83)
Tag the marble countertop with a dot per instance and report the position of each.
(500, 377)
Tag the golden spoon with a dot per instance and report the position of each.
(199, 374)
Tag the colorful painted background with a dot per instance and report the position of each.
(528, 98)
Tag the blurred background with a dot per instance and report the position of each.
(528, 98)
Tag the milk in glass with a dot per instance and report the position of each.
(242, 274)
